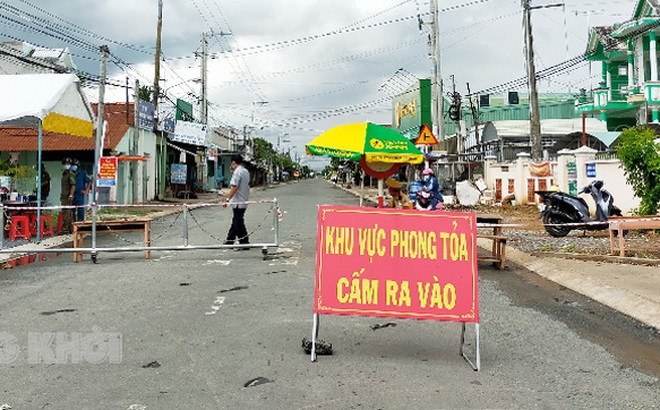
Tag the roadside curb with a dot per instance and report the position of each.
(600, 258)
(626, 288)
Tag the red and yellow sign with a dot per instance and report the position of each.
(426, 136)
(396, 263)
(107, 171)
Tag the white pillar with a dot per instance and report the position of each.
(561, 173)
(639, 53)
(653, 56)
(489, 161)
(521, 177)
(631, 69)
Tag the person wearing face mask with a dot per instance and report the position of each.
(432, 186)
(83, 185)
(239, 192)
(66, 194)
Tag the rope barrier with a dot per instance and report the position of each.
(190, 206)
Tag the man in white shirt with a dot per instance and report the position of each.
(238, 195)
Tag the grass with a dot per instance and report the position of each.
(117, 211)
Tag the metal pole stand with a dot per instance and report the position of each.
(93, 254)
(315, 335)
(476, 366)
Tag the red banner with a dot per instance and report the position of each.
(396, 263)
(540, 170)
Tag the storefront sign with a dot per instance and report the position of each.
(107, 171)
(146, 115)
(396, 263)
(179, 174)
(412, 108)
(189, 133)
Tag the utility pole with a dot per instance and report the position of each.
(475, 118)
(156, 97)
(202, 76)
(438, 99)
(98, 143)
(455, 115)
(535, 121)
(159, 30)
(134, 147)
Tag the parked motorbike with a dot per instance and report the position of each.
(559, 208)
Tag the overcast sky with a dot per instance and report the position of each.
(300, 67)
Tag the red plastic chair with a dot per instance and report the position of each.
(46, 229)
(20, 227)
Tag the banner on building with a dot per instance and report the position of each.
(179, 174)
(107, 172)
(189, 133)
(396, 263)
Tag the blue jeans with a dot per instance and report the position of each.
(79, 213)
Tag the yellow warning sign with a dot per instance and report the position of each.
(426, 137)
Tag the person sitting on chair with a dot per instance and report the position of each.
(398, 199)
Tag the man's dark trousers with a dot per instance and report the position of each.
(238, 229)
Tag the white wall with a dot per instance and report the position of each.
(609, 171)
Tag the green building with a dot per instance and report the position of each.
(629, 92)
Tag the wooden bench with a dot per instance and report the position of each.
(621, 224)
(80, 229)
(498, 251)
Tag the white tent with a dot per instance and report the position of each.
(51, 102)
(55, 99)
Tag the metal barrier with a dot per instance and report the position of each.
(186, 214)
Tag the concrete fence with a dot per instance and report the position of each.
(572, 170)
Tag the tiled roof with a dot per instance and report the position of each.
(26, 139)
(118, 123)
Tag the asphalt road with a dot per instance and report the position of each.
(188, 330)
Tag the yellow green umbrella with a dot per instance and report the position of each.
(375, 142)
(374, 146)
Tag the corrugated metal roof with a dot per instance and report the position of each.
(520, 112)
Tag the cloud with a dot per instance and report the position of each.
(315, 57)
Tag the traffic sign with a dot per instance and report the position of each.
(426, 137)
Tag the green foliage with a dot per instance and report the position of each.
(145, 93)
(640, 157)
(265, 152)
(24, 177)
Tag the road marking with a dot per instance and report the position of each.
(217, 304)
(216, 261)
(137, 407)
(288, 261)
(164, 257)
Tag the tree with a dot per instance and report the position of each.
(639, 154)
(145, 93)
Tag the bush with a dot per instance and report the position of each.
(640, 157)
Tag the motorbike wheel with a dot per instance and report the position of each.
(550, 220)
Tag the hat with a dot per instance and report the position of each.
(66, 161)
(393, 183)
(427, 171)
